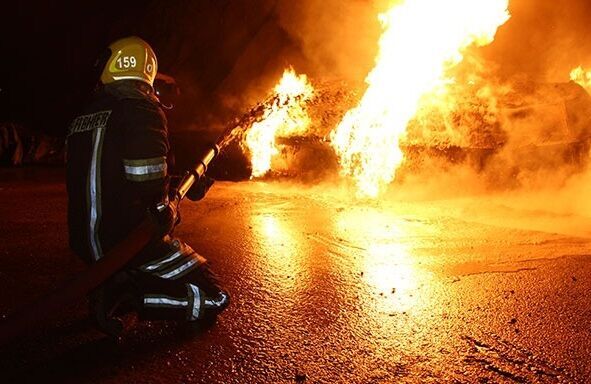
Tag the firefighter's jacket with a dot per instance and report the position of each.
(116, 166)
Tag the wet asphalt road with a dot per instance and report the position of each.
(324, 290)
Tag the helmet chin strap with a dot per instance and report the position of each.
(166, 106)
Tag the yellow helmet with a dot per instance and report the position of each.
(131, 59)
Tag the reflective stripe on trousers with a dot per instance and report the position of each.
(189, 306)
(181, 260)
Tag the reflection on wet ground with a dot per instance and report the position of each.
(365, 292)
(329, 290)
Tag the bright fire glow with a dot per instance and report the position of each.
(286, 117)
(581, 77)
(422, 40)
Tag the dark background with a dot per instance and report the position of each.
(49, 49)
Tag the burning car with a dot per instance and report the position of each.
(529, 127)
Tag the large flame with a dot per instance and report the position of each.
(285, 117)
(422, 40)
(581, 77)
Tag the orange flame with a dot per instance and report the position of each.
(421, 42)
(581, 77)
(286, 117)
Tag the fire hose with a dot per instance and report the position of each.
(120, 255)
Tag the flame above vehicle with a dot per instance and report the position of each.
(581, 77)
(285, 116)
(421, 41)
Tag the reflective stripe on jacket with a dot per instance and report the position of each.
(116, 166)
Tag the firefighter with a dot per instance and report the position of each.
(117, 151)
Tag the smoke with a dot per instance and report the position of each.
(330, 41)
(510, 132)
(544, 40)
(538, 158)
(519, 130)
(510, 149)
(338, 39)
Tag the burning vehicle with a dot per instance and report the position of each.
(549, 121)
(532, 127)
(427, 106)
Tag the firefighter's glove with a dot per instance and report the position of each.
(166, 215)
(200, 188)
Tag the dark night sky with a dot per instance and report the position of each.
(50, 47)
(49, 51)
